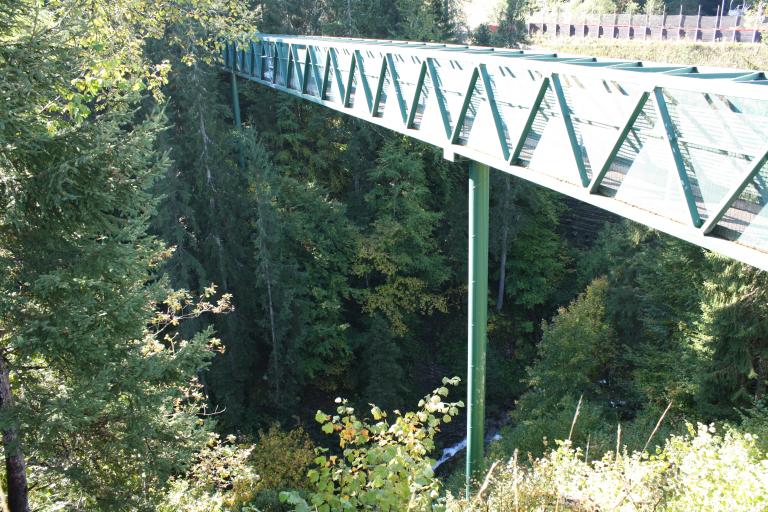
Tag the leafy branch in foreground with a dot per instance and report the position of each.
(383, 466)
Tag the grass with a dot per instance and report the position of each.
(704, 470)
(735, 55)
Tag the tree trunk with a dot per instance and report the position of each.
(502, 266)
(15, 466)
(205, 142)
(265, 265)
(275, 348)
(762, 372)
(504, 242)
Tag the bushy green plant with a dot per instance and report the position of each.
(577, 356)
(220, 480)
(282, 458)
(536, 433)
(735, 329)
(636, 434)
(755, 421)
(383, 466)
(706, 471)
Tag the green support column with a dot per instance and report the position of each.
(236, 116)
(477, 317)
(235, 101)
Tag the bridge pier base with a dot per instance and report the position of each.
(477, 318)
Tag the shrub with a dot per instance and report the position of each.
(700, 471)
(755, 421)
(219, 481)
(282, 459)
(535, 433)
(577, 358)
(383, 466)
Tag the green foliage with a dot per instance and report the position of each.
(342, 249)
(735, 329)
(524, 221)
(576, 349)
(383, 466)
(399, 254)
(282, 458)
(511, 30)
(482, 35)
(527, 266)
(755, 421)
(104, 380)
(381, 377)
(219, 480)
(698, 471)
(574, 378)
(534, 433)
(357, 234)
(228, 477)
(576, 353)
(653, 303)
(303, 247)
(426, 20)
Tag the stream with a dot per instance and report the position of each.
(451, 451)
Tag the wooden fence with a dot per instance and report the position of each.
(744, 29)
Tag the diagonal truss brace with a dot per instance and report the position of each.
(532, 113)
(594, 185)
(670, 135)
(721, 209)
(565, 113)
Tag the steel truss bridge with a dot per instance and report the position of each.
(682, 149)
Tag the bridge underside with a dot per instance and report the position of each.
(678, 148)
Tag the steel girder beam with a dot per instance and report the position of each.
(678, 148)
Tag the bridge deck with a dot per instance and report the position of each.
(679, 148)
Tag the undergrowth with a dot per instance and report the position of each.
(703, 470)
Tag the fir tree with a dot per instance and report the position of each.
(735, 328)
(98, 393)
(399, 256)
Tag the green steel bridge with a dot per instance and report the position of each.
(682, 149)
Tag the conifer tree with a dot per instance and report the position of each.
(575, 365)
(653, 303)
(399, 257)
(302, 245)
(735, 328)
(205, 214)
(98, 394)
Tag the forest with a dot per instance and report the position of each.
(196, 316)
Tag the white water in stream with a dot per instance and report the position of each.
(451, 451)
